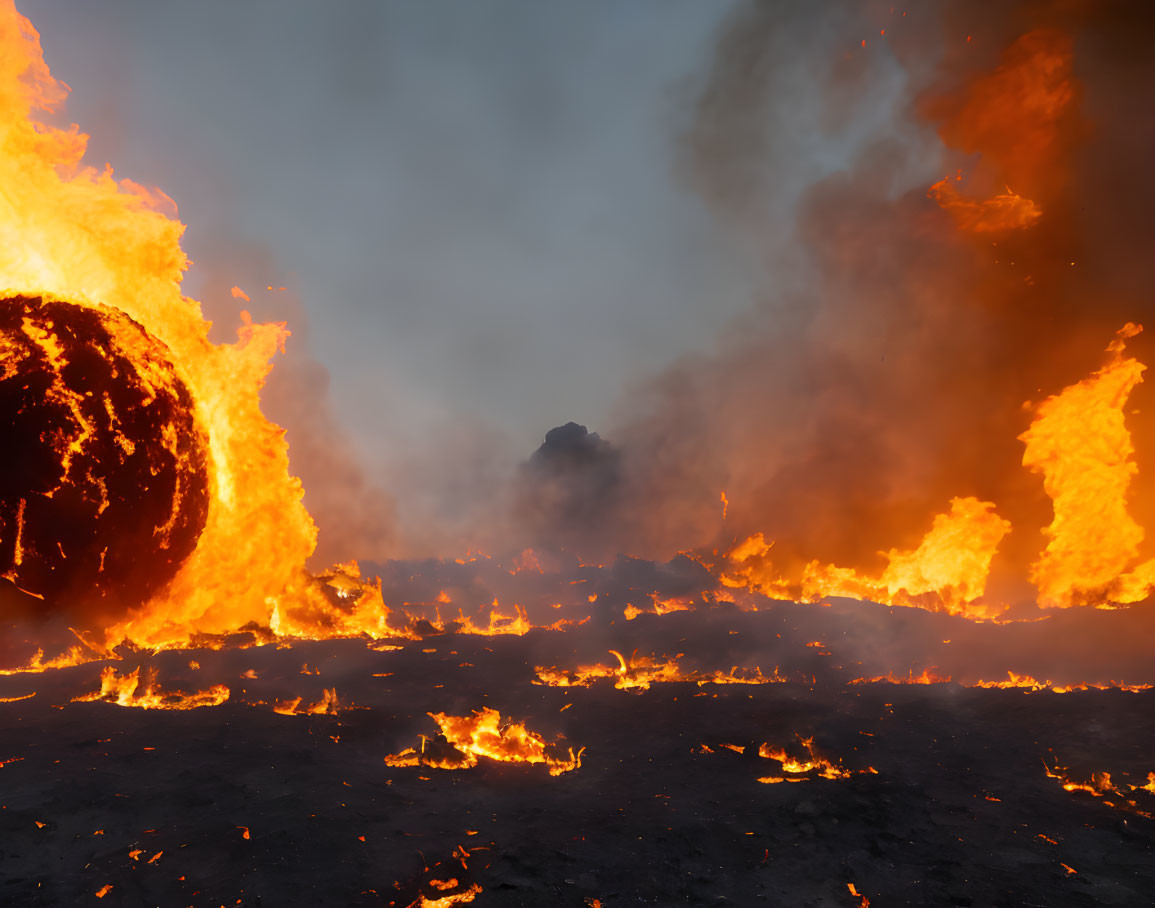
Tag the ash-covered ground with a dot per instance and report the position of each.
(246, 806)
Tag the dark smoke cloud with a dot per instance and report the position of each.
(566, 494)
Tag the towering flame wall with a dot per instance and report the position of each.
(76, 233)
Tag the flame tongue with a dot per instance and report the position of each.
(139, 689)
(1080, 444)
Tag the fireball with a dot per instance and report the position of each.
(104, 487)
(143, 489)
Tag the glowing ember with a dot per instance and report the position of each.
(138, 689)
(328, 705)
(638, 673)
(863, 901)
(446, 901)
(481, 734)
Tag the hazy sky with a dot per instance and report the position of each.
(475, 202)
(481, 210)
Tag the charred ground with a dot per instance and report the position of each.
(247, 806)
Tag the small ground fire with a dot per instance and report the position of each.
(855, 610)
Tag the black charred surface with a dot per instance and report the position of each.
(960, 812)
(103, 482)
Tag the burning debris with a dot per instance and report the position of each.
(482, 734)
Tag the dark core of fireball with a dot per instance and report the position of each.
(104, 485)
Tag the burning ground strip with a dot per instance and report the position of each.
(939, 767)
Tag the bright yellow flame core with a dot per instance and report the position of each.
(950, 565)
(1080, 444)
(76, 233)
(947, 571)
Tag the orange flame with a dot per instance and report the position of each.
(74, 232)
(139, 690)
(809, 764)
(1101, 786)
(638, 673)
(946, 572)
(75, 655)
(798, 770)
(328, 705)
(447, 901)
(1027, 682)
(660, 606)
(1080, 444)
(481, 734)
(949, 568)
(748, 566)
(863, 901)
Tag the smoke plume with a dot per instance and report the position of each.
(976, 254)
